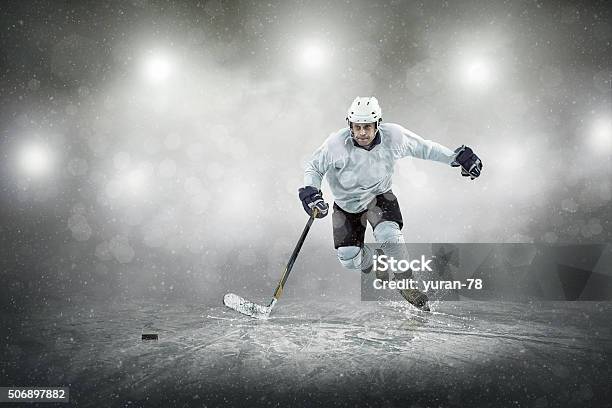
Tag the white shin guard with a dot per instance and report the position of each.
(391, 239)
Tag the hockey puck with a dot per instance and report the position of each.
(150, 336)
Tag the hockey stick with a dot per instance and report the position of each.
(248, 308)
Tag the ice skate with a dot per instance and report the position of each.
(417, 298)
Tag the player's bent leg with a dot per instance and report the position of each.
(389, 235)
(354, 257)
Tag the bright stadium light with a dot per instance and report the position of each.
(601, 135)
(35, 159)
(157, 68)
(477, 72)
(312, 57)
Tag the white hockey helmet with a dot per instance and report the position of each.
(364, 109)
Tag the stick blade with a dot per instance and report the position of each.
(246, 307)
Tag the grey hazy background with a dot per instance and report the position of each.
(185, 187)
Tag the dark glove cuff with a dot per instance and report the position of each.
(464, 153)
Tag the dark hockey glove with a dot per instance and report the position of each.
(470, 164)
(312, 198)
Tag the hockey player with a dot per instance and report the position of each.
(358, 161)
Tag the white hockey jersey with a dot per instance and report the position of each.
(356, 175)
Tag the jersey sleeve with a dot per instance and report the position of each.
(317, 166)
(414, 145)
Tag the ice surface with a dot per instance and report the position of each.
(317, 352)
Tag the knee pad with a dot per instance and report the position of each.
(353, 257)
(388, 232)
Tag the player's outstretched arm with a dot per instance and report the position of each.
(412, 145)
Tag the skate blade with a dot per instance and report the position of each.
(246, 307)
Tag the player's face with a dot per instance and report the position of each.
(363, 133)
